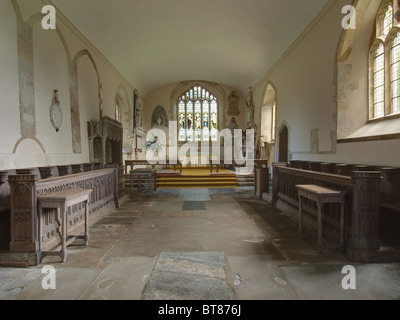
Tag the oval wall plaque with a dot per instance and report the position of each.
(56, 112)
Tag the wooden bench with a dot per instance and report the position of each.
(321, 196)
(61, 201)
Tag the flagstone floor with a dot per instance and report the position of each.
(204, 244)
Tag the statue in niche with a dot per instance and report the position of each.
(251, 125)
(250, 109)
(56, 112)
(159, 118)
(138, 117)
(137, 112)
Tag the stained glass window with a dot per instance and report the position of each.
(379, 82)
(387, 21)
(214, 118)
(198, 115)
(182, 120)
(384, 75)
(395, 74)
(273, 121)
(189, 117)
(197, 121)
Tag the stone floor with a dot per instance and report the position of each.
(204, 244)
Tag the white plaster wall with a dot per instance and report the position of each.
(29, 7)
(305, 83)
(353, 77)
(88, 99)
(158, 97)
(51, 73)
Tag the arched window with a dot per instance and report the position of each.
(117, 110)
(395, 74)
(273, 125)
(379, 82)
(385, 64)
(268, 114)
(197, 116)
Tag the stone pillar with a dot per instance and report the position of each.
(23, 213)
(364, 242)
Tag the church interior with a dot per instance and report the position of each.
(200, 150)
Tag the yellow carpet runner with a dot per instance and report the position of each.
(196, 178)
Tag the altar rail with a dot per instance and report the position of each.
(24, 189)
(361, 209)
(130, 164)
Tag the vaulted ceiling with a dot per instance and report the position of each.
(157, 42)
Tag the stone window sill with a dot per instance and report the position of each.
(387, 128)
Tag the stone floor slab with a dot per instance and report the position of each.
(189, 276)
(174, 286)
(194, 195)
(70, 285)
(210, 264)
(263, 281)
(122, 279)
(324, 282)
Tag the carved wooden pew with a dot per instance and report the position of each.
(24, 192)
(361, 211)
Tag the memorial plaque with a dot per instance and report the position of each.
(56, 112)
